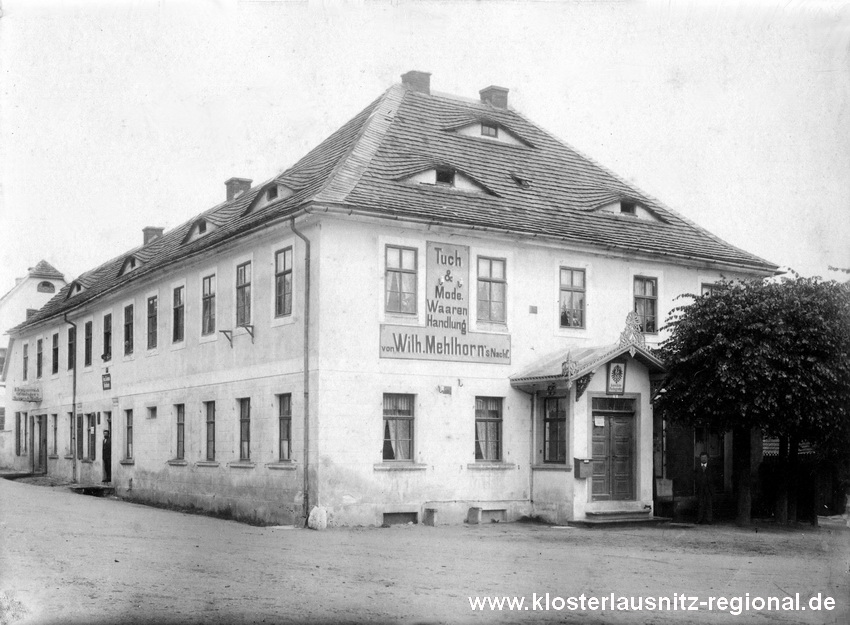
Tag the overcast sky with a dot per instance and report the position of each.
(113, 118)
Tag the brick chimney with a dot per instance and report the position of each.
(236, 187)
(495, 96)
(417, 81)
(151, 233)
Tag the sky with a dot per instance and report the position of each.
(119, 115)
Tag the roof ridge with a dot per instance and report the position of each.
(358, 156)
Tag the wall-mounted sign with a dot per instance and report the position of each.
(107, 381)
(27, 393)
(616, 383)
(446, 334)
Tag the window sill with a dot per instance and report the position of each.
(400, 466)
(281, 466)
(551, 467)
(127, 461)
(207, 463)
(487, 466)
(86, 460)
(53, 457)
(69, 457)
(241, 464)
(177, 463)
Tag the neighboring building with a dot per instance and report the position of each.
(427, 314)
(29, 294)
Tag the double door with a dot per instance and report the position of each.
(613, 476)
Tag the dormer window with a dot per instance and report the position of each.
(45, 287)
(489, 130)
(628, 208)
(202, 226)
(521, 182)
(129, 265)
(446, 177)
(631, 209)
(271, 194)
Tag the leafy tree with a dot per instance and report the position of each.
(762, 354)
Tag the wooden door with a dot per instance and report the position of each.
(613, 458)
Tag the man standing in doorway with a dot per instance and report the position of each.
(705, 489)
(107, 457)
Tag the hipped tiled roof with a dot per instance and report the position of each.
(45, 270)
(363, 166)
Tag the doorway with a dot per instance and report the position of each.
(613, 448)
(38, 443)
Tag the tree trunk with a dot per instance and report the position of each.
(816, 491)
(793, 476)
(781, 509)
(742, 470)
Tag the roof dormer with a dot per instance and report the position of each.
(448, 178)
(130, 263)
(199, 228)
(273, 192)
(75, 288)
(628, 207)
(490, 130)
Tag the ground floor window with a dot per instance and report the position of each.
(18, 433)
(488, 429)
(92, 436)
(555, 429)
(284, 407)
(398, 427)
(181, 425)
(128, 435)
(210, 411)
(55, 419)
(71, 434)
(245, 428)
(81, 434)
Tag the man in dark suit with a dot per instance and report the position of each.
(704, 488)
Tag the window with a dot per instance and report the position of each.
(210, 410)
(245, 428)
(283, 282)
(38, 357)
(181, 441)
(87, 338)
(71, 437)
(153, 321)
(446, 177)
(271, 194)
(208, 305)
(707, 288)
(72, 348)
(128, 434)
(243, 294)
(398, 427)
(55, 418)
(555, 429)
(572, 298)
(18, 433)
(646, 301)
(26, 359)
(151, 412)
(491, 289)
(54, 363)
(107, 337)
(489, 130)
(629, 208)
(401, 280)
(202, 226)
(178, 310)
(284, 417)
(488, 429)
(92, 435)
(2, 418)
(128, 329)
(80, 437)
(26, 431)
(45, 287)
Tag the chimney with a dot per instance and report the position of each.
(151, 233)
(495, 96)
(236, 187)
(418, 81)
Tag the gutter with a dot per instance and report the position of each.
(306, 470)
(74, 441)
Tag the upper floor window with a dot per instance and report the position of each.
(243, 294)
(646, 303)
(72, 348)
(45, 287)
(707, 288)
(401, 279)
(488, 429)
(87, 344)
(54, 362)
(207, 305)
(398, 426)
(128, 329)
(153, 321)
(572, 298)
(446, 177)
(178, 318)
(107, 337)
(283, 282)
(38, 357)
(491, 289)
(26, 362)
(489, 130)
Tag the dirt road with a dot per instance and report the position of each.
(68, 558)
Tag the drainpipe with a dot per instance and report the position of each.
(306, 494)
(74, 442)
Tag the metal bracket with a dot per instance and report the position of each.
(229, 336)
(250, 330)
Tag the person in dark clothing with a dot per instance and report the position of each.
(107, 457)
(704, 480)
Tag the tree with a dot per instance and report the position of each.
(762, 354)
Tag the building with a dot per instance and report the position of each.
(29, 294)
(440, 311)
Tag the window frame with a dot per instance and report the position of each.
(490, 281)
(178, 314)
(208, 301)
(572, 289)
(401, 271)
(244, 429)
(81, 436)
(107, 337)
(54, 352)
(243, 282)
(129, 329)
(563, 428)
(180, 417)
(25, 361)
(91, 425)
(209, 413)
(88, 343)
(55, 419)
(128, 434)
(282, 297)
(72, 348)
(653, 299)
(284, 416)
(480, 454)
(39, 358)
(394, 414)
(152, 321)
(488, 125)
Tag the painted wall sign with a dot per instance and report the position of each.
(27, 393)
(446, 334)
(107, 381)
(616, 384)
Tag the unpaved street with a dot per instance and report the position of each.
(69, 558)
